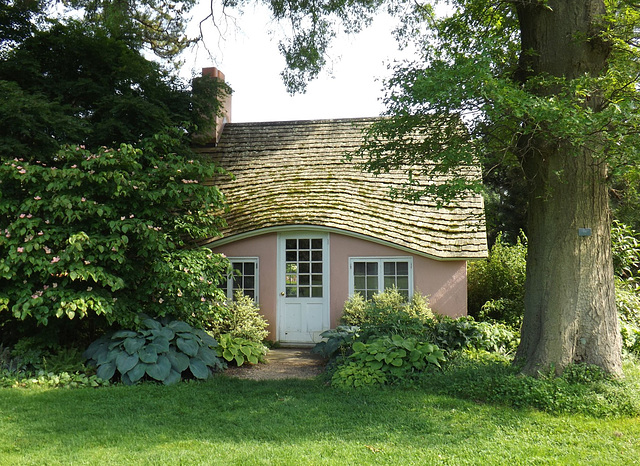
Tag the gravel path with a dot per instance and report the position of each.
(281, 363)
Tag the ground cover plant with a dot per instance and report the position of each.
(232, 421)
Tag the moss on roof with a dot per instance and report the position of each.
(294, 173)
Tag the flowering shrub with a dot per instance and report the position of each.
(109, 232)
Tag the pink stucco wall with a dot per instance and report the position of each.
(444, 282)
(265, 248)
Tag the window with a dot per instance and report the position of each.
(244, 277)
(304, 267)
(369, 275)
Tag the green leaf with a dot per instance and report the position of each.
(106, 371)
(239, 359)
(160, 344)
(252, 359)
(124, 334)
(173, 378)
(358, 346)
(179, 326)
(207, 355)
(206, 338)
(137, 372)
(179, 361)
(152, 324)
(397, 362)
(189, 347)
(125, 362)
(165, 332)
(94, 347)
(198, 369)
(160, 370)
(148, 354)
(132, 345)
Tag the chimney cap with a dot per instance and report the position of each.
(213, 72)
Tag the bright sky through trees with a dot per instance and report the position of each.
(247, 53)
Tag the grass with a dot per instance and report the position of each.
(230, 421)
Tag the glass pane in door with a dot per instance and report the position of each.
(303, 277)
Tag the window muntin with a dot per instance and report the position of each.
(370, 275)
(244, 277)
(304, 267)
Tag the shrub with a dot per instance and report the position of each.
(240, 318)
(164, 352)
(240, 350)
(50, 380)
(100, 233)
(388, 313)
(625, 248)
(492, 378)
(338, 341)
(499, 280)
(467, 333)
(386, 360)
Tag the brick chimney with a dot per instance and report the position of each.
(226, 103)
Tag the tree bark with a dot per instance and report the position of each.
(570, 311)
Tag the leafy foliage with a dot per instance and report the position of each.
(91, 233)
(388, 313)
(496, 284)
(96, 92)
(336, 341)
(240, 350)
(492, 378)
(164, 352)
(465, 333)
(50, 380)
(386, 360)
(239, 318)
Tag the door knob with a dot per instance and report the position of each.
(282, 293)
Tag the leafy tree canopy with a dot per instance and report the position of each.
(102, 198)
(74, 84)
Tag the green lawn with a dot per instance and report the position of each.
(230, 421)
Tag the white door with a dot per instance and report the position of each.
(303, 279)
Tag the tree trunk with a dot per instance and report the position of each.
(570, 311)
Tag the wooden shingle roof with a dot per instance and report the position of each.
(294, 173)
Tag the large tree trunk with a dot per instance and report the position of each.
(570, 312)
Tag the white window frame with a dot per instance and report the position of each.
(256, 268)
(380, 260)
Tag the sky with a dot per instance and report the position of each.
(247, 53)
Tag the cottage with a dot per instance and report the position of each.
(306, 229)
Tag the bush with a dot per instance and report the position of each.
(100, 233)
(240, 350)
(164, 352)
(386, 360)
(240, 318)
(492, 378)
(388, 313)
(496, 284)
(338, 341)
(466, 333)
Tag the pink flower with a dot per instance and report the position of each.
(55, 259)
(20, 249)
(23, 215)
(37, 198)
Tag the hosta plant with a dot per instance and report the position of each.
(240, 350)
(386, 360)
(163, 352)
